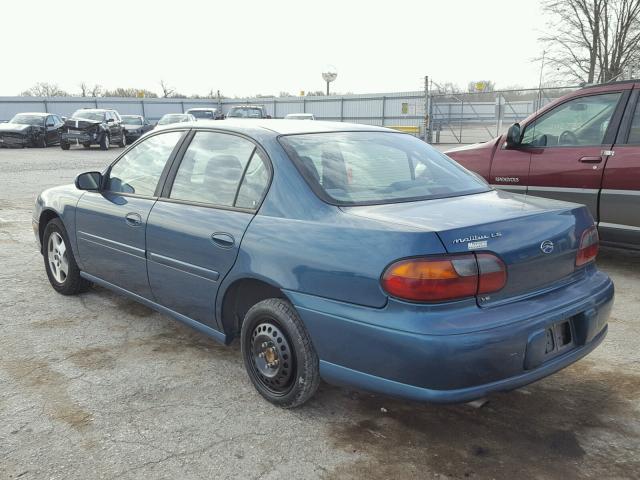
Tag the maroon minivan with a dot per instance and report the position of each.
(583, 148)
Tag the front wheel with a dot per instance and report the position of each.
(104, 142)
(59, 262)
(278, 354)
(123, 140)
(65, 146)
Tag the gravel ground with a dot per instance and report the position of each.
(97, 386)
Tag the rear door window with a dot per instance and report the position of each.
(634, 132)
(212, 169)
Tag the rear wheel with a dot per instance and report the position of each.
(64, 146)
(59, 262)
(86, 145)
(104, 142)
(43, 142)
(278, 354)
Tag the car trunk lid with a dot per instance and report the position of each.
(536, 238)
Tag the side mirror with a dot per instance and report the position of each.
(110, 120)
(514, 136)
(89, 181)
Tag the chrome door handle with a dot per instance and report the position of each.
(223, 240)
(133, 219)
(591, 159)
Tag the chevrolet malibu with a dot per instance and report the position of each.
(351, 253)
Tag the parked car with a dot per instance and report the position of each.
(394, 270)
(93, 126)
(206, 113)
(176, 118)
(583, 147)
(300, 116)
(135, 126)
(248, 111)
(31, 130)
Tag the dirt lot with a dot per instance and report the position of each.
(97, 386)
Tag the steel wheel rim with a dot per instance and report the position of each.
(57, 257)
(271, 357)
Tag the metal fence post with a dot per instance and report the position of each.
(461, 118)
(142, 107)
(46, 106)
(275, 103)
(427, 111)
(304, 105)
(342, 109)
(384, 100)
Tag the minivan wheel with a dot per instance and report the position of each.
(104, 142)
(59, 262)
(278, 354)
(123, 140)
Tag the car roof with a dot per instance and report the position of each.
(248, 106)
(283, 127)
(41, 114)
(95, 110)
(137, 116)
(201, 108)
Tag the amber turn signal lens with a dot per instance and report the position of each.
(440, 279)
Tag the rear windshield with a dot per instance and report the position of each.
(355, 168)
(172, 118)
(244, 112)
(207, 114)
(131, 120)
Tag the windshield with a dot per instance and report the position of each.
(131, 120)
(173, 118)
(206, 114)
(97, 116)
(244, 112)
(28, 119)
(351, 168)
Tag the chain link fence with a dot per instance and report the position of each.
(478, 117)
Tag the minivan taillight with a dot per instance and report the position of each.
(438, 279)
(589, 244)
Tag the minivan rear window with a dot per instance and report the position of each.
(363, 168)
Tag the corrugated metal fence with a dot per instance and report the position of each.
(404, 109)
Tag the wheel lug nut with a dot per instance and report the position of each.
(261, 354)
(265, 345)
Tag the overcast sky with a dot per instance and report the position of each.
(252, 46)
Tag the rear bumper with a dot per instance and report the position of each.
(456, 367)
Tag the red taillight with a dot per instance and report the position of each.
(439, 279)
(589, 244)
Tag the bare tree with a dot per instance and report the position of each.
(96, 90)
(44, 89)
(167, 91)
(84, 89)
(592, 40)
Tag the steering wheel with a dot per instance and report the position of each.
(568, 138)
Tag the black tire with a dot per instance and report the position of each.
(104, 142)
(123, 140)
(65, 146)
(43, 142)
(273, 327)
(73, 283)
(86, 145)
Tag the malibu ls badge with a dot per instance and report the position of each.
(477, 241)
